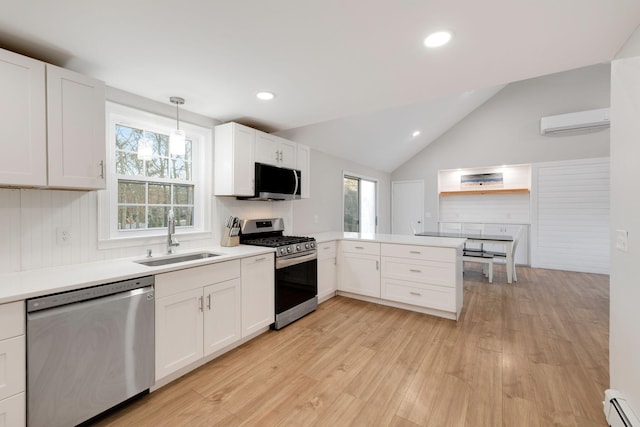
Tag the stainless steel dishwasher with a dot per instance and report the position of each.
(88, 350)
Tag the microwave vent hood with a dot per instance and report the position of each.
(275, 184)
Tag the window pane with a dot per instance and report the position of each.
(158, 216)
(128, 164)
(131, 217)
(160, 143)
(159, 194)
(351, 205)
(183, 194)
(184, 216)
(131, 192)
(181, 169)
(158, 168)
(127, 138)
(367, 206)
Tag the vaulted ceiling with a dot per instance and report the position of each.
(353, 65)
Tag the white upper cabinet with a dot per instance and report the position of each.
(76, 130)
(53, 126)
(276, 151)
(234, 160)
(23, 133)
(304, 164)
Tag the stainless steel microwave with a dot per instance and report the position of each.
(274, 183)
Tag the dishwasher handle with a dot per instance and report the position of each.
(84, 294)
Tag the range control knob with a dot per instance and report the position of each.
(282, 251)
(289, 249)
(307, 246)
(313, 244)
(297, 248)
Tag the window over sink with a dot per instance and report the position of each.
(143, 185)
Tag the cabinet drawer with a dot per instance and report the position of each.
(12, 319)
(197, 277)
(434, 272)
(419, 252)
(430, 296)
(359, 247)
(326, 250)
(12, 366)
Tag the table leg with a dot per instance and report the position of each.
(509, 262)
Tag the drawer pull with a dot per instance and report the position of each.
(415, 252)
(359, 247)
(415, 271)
(261, 259)
(418, 294)
(327, 248)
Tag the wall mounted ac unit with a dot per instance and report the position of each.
(579, 121)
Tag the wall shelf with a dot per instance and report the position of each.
(485, 191)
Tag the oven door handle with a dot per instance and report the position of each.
(288, 262)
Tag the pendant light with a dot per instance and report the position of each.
(177, 136)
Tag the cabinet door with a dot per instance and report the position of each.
(13, 411)
(360, 274)
(222, 315)
(327, 278)
(258, 293)
(76, 130)
(288, 154)
(304, 164)
(179, 323)
(23, 133)
(267, 148)
(234, 160)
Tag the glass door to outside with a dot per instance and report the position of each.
(360, 205)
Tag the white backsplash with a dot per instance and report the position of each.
(31, 219)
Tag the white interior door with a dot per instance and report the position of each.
(407, 207)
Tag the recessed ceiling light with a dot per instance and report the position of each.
(437, 39)
(265, 96)
(415, 133)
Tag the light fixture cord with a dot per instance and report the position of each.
(178, 114)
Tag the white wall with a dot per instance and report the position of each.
(505, 130)
(323, 211)
(624, 339)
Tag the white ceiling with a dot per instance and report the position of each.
(325, 60)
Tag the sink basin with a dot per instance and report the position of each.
(173, 259)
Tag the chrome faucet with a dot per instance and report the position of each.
(171, 229)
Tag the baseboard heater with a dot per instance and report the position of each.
(617, 410)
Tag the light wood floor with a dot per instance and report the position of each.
(533, 354)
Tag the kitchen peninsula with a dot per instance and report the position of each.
(416, 273)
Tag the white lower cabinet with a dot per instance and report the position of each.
(360, 268)
(222, 315)
(427, 277)
(12, 365)
(327, 270)
(258, 293)
(197, 313)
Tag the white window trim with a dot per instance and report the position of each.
(109, 236)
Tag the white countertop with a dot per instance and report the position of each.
(32, 283)
(399, 239)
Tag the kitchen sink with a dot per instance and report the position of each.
(173, 259)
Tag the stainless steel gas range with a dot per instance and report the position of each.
(296, 267)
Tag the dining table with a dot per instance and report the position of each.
(499, 239)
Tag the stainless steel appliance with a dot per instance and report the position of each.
(274, 183)
(88, 350)
(296, 267)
